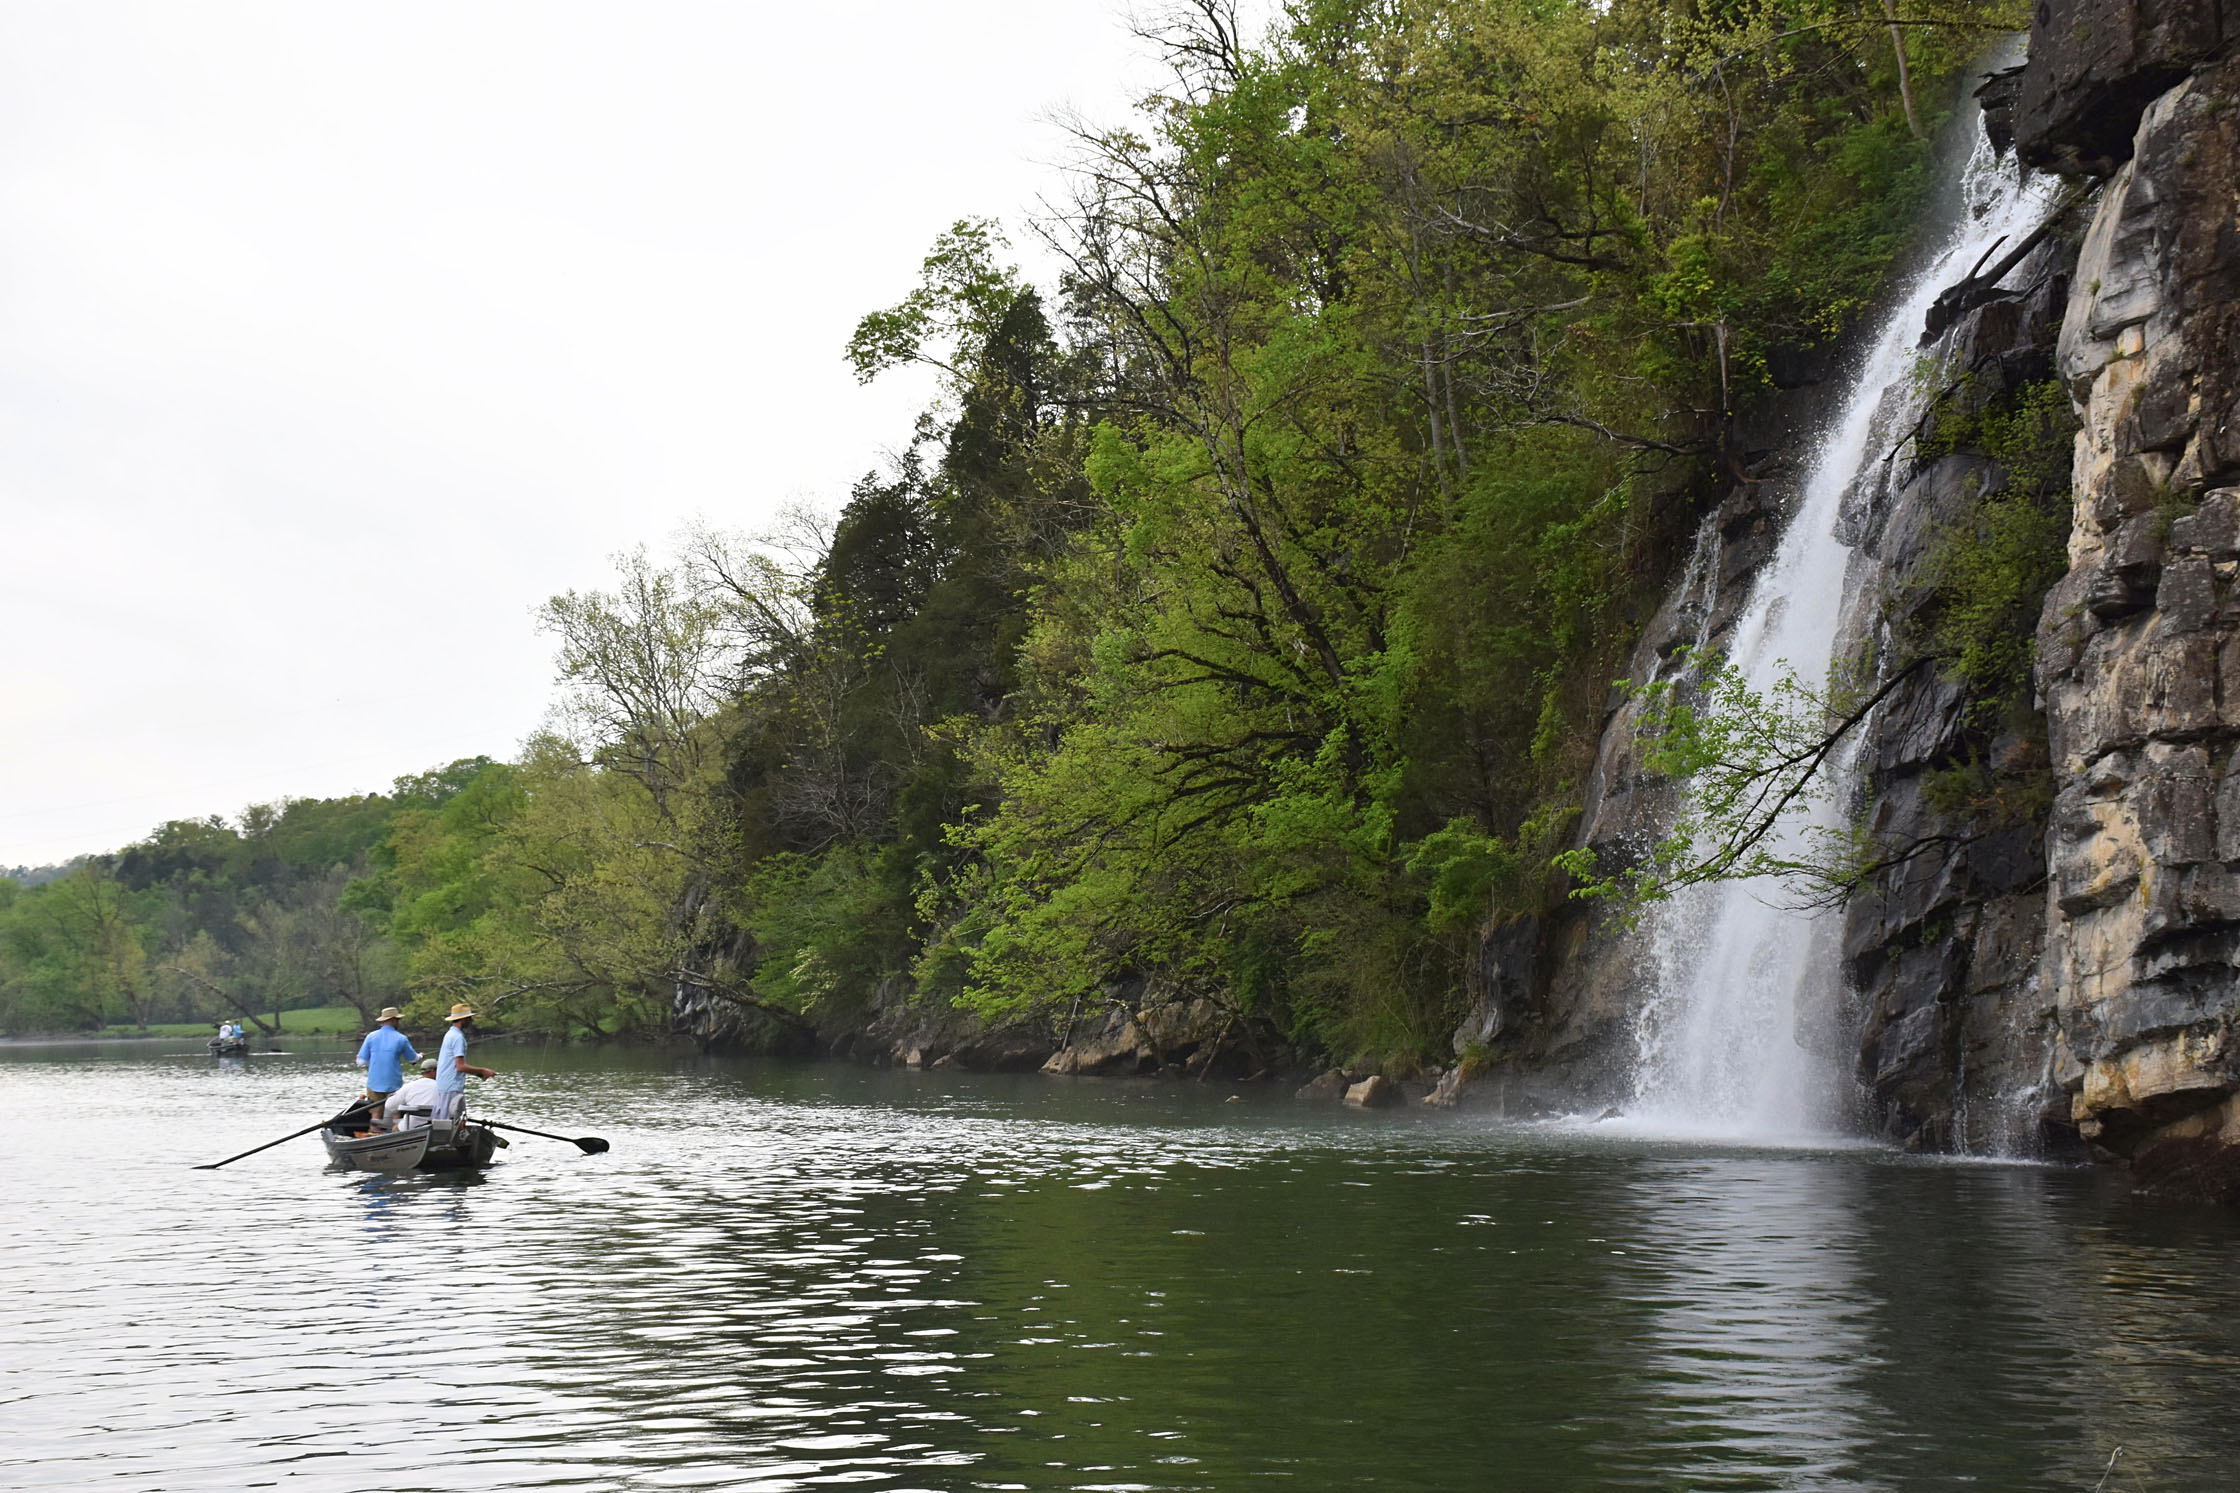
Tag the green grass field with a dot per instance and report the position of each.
(312, 1021)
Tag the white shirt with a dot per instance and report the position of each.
(420, 1093)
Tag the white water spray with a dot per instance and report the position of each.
(1740, 976)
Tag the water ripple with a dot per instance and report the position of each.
(795, 1278)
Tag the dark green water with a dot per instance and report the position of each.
(791, 1278)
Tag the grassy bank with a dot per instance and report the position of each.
(312, 1021)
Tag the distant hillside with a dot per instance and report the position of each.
(31, 876)
(207, 918)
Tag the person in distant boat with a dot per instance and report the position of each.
(452, 1066)
(383, 1055)
(420, 1093)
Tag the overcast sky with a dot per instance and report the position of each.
(334, 338)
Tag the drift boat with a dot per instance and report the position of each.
(424, 1148)
(229, 1047)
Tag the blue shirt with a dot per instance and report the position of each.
(449, 1080)
(383, 1055)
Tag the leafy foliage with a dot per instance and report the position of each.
(206, 919)
(1988, 572)
(1756, 763)
(1237, 623)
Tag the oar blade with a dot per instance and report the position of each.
(590, 1145)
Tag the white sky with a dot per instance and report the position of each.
(335, 337)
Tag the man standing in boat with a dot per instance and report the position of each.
(383, 1055)
(452, 1067)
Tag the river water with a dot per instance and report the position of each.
(793, 1277)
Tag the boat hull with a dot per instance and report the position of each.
(474, 1147)
(229, 1047)
(419, 1149)
(390, 1151)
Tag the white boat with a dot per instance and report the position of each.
(426, 1148)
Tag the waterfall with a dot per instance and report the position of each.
(1741, 974)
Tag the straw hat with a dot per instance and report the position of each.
(390, 1013)
(460, 1013)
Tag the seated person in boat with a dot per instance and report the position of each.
(383, 1055)
(420, 1093)
(452, 1066)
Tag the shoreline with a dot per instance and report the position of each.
(89, 1039)
(262, 1044)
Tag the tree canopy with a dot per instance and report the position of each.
(1240, 619)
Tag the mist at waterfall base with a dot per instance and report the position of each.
(1743, 977)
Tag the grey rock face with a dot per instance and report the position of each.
(2096, 64)
(1503, 984)
(1949, 1028)
(2139, 655)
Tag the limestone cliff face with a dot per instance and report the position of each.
(2139, 656)
(2079, 978)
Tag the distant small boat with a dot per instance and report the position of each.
(423, 1148)
(229, 1047)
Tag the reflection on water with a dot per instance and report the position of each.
(1757, 1329)
(786, 1278)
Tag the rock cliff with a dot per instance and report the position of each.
(2139, 651)
(2095, 66)
(2041, 979)
(1947, 1022)
(2069, 976)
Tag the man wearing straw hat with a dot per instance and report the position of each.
(383, 1055)
(452, 1068)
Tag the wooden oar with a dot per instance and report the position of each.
(590, 1145)
(356, 1109)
